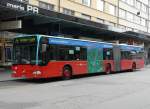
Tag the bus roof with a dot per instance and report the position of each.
(130, 47)
(71, 41)
(81, 42)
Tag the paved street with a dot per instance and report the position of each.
(128, 90)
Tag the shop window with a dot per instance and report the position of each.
(148, 55)
(8, 54)
(1, 53)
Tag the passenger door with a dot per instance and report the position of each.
(94, 57)
(117, 58)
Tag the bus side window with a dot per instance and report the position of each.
(126, 55)
(108, 54)
(52, 52)
(133, 54)
(66, 52)
(140, 55)
(83, 53)
(123, 55)
(80, 53)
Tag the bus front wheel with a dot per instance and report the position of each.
(67, 73)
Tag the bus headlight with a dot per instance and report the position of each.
(36, 72)
(14, 72)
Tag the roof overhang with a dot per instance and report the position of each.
(35, 19)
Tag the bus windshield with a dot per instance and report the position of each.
(24, 54)
(24, 51)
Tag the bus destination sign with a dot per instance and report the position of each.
(25, 40)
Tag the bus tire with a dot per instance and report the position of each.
(108, 68)
(133, 66)
(67, 73)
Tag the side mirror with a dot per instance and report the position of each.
(44, 46)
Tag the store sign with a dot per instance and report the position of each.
(32, 9)
(14, 6)
(19, 6)
(28, 8)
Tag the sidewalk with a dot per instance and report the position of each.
(5, 70)
(5, 74)
(147, 66)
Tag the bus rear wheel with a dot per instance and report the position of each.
(67, 73)
(108, 69)
(133, 67)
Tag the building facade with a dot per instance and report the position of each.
(129, 15)
(6, 48)
(133, 15)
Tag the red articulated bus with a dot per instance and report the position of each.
(39, 56)
(132, 57)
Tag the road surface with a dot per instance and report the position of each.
(128, 90)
